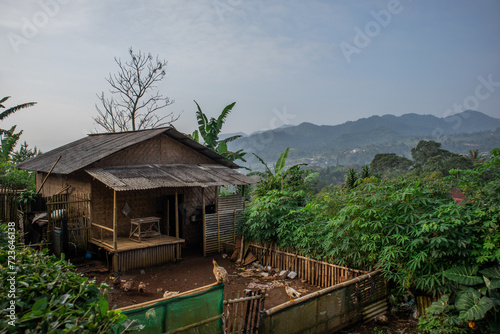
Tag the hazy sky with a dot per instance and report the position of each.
(283, 62)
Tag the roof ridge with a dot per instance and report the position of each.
(130, 131)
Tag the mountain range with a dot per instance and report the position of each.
(357, 142)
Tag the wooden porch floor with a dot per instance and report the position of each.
(125, 244)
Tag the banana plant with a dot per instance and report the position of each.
(279, 166)
(210, 129)
(8, 141)
(4, 114)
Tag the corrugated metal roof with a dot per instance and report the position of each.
(83, 152)
(164, 176)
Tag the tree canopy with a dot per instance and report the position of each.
(135, 101)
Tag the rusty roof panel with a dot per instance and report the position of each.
(165, 176)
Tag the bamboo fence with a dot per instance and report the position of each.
(8, 204)
(242, 311)
(318, 273)
(70, 213)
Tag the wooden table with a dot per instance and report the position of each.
(146, 227)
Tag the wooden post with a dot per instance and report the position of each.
(176, 215)
(204, 222)
(168, 217)
(178, 255)
(218, 217)
(115, 227)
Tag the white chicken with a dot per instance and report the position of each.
(291, 292)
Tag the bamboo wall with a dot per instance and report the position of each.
(318, 273)
(79, 182)
(158, 150)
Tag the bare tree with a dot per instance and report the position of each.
(134, 100)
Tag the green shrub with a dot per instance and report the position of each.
(49, 296)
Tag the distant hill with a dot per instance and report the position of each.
(356, 142)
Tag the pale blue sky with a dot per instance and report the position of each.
(281, 61)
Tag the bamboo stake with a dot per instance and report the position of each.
(204, 222)
(115, 223)
(47, 176)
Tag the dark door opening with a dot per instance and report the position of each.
(167, 222)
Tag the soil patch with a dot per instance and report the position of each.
(192, 272)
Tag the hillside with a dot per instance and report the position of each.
(356, 142)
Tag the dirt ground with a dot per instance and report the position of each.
(195, 271)
(192, 272)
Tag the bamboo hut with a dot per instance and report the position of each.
(149, 191)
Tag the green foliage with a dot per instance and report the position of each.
(14, 178)
(51, 297)
(412, 229)
(439, 319)
(275, 216)
(24, 153)
(350, 179)
(386, 162)
(292, 178)
(480, 293)
(280, 163)
(210, 130)
(8, 141)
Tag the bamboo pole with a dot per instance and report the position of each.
(115, 223)
(178, 255)
(218, 225)
(204, 222)
(47, 176)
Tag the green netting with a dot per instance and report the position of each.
(174, 313)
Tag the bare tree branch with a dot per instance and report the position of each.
(135, 99)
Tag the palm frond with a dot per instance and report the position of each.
(280, 164)
(257, 173)
(268, 171)
(12, 110)
(232, 138)
(223, 115)
(3, 100)
(202, 121)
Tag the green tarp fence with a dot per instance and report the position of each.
(196, 312)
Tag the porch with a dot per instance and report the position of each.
(130, 254)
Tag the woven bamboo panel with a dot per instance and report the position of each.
(230, 203)
(212, 233)
(220, 227)
(79, 182)
(158, 150)
(144, 257)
